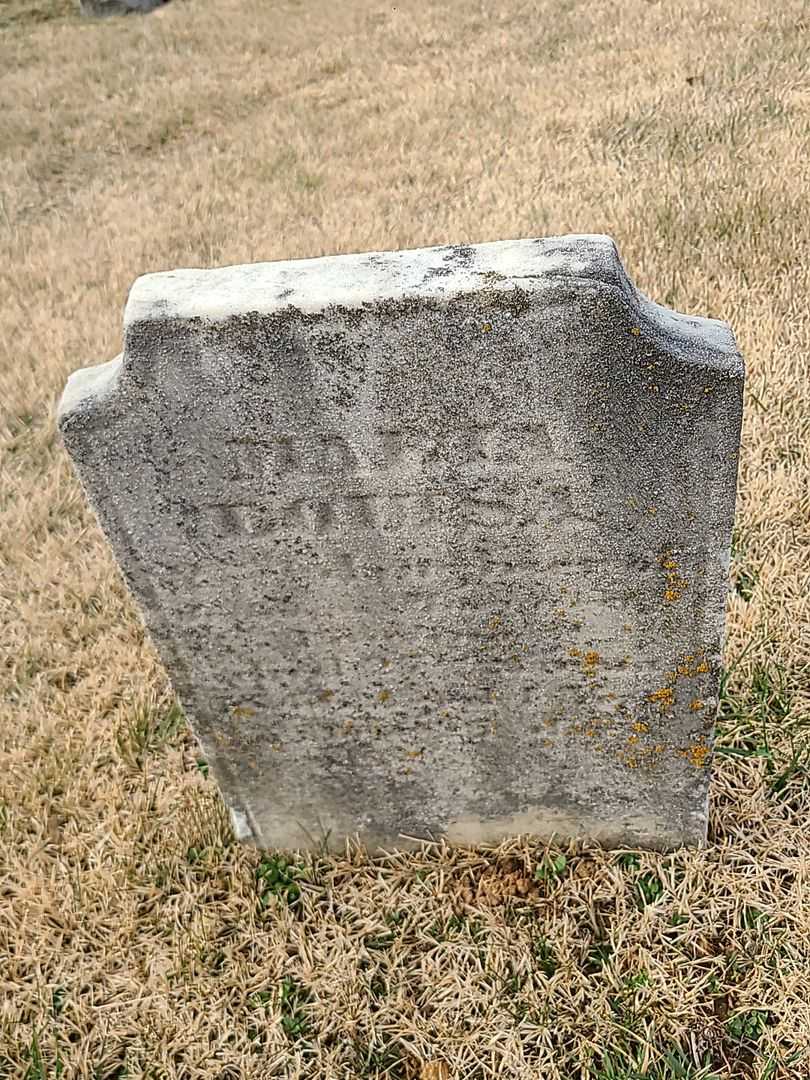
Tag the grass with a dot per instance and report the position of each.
(25, 13)
(137, 939)
(150, 725)
(276, 876)
(673, 1065)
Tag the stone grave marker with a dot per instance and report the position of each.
(104, 8)
(432, 543)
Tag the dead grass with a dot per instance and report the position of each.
(20, 13)
(135, 938)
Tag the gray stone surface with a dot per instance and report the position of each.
(432, 543)
(102, 8)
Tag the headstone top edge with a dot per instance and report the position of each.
(353, 280)
(709, 342)
(87, 387)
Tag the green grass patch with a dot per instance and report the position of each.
(673, 1064)
(150, 728)
(291, 998)
(551, 868)
(279, 877)
(756, 720)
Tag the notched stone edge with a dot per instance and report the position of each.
(86, 392)
(591, 261)
(696, 339)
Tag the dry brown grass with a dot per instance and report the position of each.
(134, 940)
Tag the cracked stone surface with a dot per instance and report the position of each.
(431, 543)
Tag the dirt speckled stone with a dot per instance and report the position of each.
(431, 542)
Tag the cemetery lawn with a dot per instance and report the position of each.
(136, 938)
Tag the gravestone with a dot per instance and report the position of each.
(103, 8)
(432, 543)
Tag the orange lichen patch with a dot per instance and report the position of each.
(697, 705)
(697, 754)
(485, 329)
(663, 698)
(675, 583)
(640, 727)
(675, 587)
(635, 330)
(383, 696)
(589, 659)
(637, 756)
(690, 665)
(414, 754)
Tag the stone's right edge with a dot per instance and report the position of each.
(710, 345)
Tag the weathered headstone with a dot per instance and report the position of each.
(103, 8)
(432, 543)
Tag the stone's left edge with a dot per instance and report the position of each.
(89, 394)
(86, 390)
